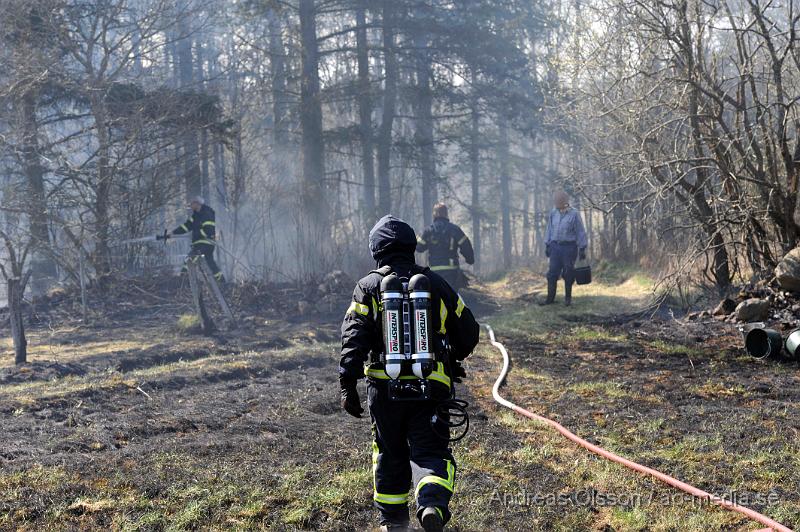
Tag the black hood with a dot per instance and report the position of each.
(392, 239)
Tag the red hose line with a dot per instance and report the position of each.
(751, 514)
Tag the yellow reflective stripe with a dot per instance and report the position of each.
(400, 498)
(438, 268)
(374, 307)
(439, 375)
(209, 222)
(202, 232)
(460, 307)
(436, 375)
(447, 483)
(442, 317)
(358, 308)
(463, 239)
(377, 373)
(385, 498)
(375, 453)
(204, 241)
(183, 226)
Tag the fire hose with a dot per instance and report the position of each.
(696, 492)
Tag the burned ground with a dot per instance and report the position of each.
(130, 423)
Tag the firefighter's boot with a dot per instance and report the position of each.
(396, 527)
(432, 520)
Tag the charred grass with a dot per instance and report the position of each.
(139, 426)
(681, 398)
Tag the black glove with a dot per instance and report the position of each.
(582, 254)
(164, 236)
(457, 370)
(547, 250)
(350, 400)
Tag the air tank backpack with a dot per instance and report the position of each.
(407, 336)
(409, 343)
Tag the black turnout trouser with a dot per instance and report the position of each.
(406, 448)
(207, 251)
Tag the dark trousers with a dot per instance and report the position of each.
(562, 262)
(406, 449)
(207, 251)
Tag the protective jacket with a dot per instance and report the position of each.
(406, 450)
(443, 240)
(202, 224)
(392, 245)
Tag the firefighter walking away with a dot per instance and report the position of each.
(202, 225)
(443, 240)
(407, 331)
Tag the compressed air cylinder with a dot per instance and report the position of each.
(422, 356)
(392, 299)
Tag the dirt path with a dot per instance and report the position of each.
(138, 427)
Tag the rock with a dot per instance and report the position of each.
(787, 273)
(725, 307)
(752, 310)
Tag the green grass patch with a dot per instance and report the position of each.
(324, 494)
(669, 348)
(526, 318)
(188, 322)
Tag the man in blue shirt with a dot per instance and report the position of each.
(565, 242)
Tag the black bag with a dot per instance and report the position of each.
(583, 273)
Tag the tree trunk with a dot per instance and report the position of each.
(15, 289)
(505, 193)
(475, 173)
(101, 259)
(365, 114)
(219, 174)
(42, 265)
(280, 104)
(388, 112)
(191, 166)
(313, 144)
(200, 76)
(423, 134)
(721, 269)
(526, 226)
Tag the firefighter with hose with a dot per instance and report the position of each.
(407, 331)
(202, 225)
